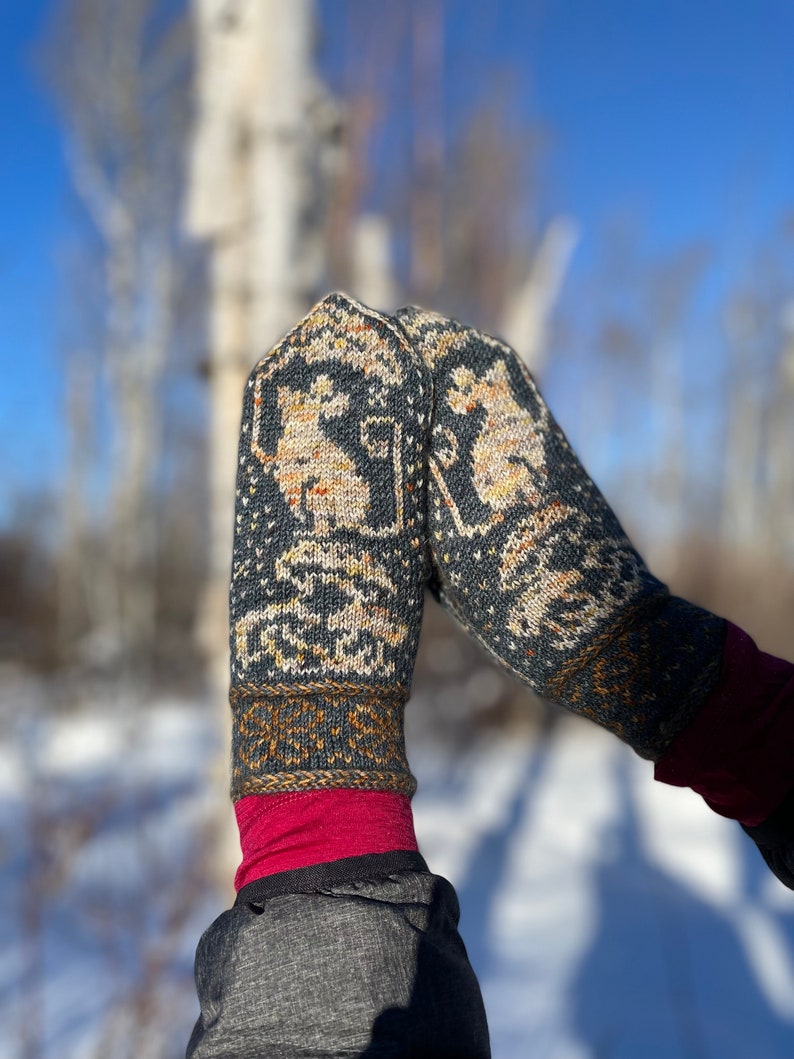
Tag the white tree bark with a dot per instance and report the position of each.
(253, 197)
(527, 313)
(253, 153)
(373, 272)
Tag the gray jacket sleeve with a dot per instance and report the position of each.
(357, 958)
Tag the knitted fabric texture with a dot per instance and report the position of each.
(530, 558)
(329, 560)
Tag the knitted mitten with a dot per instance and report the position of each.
(328, 566)
(530, 558)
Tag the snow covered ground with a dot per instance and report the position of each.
(608, 917)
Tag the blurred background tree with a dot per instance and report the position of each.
(220, 187)
(121, 78)
(232, 160)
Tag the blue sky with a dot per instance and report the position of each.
(682, 111)
(679, 113)
(32, 220)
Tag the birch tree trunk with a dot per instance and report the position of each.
(254, 153)
(255, 198)
(528, 310)
(373, 276)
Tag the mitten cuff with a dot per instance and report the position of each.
(738, 752)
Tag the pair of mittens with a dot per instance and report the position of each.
(376, 450)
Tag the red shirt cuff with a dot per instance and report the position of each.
(279, 832)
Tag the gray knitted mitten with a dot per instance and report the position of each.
(329, 559)
(530, 558)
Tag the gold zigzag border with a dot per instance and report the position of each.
(633, 616)
(334, 690)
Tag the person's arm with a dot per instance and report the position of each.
(530, 558)
(341, 943)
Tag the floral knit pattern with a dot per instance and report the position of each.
(329, 559)
(532, 561)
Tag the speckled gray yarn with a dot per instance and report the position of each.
(329, 560)
(531, 560)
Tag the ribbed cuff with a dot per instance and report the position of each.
(738, 752)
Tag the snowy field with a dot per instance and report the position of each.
(608, 917)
